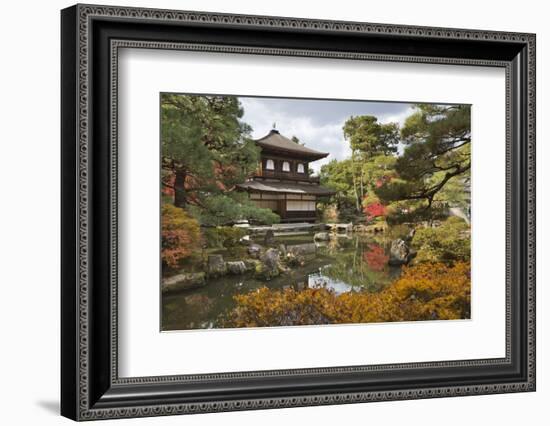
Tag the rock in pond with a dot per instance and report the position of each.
(400, 253)
(293, 259)
(269, 237)
(270, 265)
(216, 265)
(302, 249)
(245, 241)
(255, 250)
(410, 235)
(238, 267)
(184, 281)
(270, 258)
(322, 236)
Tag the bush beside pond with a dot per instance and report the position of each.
(180, 236)
(429, 291)
(447, 243)
(223, 236)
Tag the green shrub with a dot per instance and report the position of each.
(223, 236)
(398, 231)
(447, 243)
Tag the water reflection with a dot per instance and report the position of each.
(319, 280)
(351, 263)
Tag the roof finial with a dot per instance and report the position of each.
(274, 125)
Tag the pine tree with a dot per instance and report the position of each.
(206, 151)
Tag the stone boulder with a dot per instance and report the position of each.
(322, 236)
(400, 253)
(271, 258)
(183, 281)
(410, 235)
(294, 259)
(302, 249)
(269, 237)
(270, 265)
(245, 241)
(255, 250)
(216, 265)
(236, 268)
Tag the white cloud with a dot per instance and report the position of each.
(326, 137)
(396, 118)
(400, 119)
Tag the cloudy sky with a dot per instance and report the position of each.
(317, 123)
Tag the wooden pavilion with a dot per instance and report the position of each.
(282, 182)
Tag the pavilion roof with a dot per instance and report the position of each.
(274, 141)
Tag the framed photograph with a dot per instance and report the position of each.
(263, 212)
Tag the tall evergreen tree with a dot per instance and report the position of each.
(206, 150)
(436, 155)
(368, 139)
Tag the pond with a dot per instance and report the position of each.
(347, 263)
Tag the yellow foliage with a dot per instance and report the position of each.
(424, 292)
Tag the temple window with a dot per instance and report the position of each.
(301, 168)
(286, 166)
(269, 165)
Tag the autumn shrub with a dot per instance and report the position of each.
(374, 210)
(423, 292)
(431, 291)
(447, 243)
(180, 235)
(372, 207)
(268, 308)
(223, 236)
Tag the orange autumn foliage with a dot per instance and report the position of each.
(423, 292)
(180, 235)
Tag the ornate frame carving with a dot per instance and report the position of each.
(85, 396)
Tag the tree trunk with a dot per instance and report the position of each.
(362, 189)
(354, 182)
(180, 198)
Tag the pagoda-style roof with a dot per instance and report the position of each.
(285, 187)
(275, 142)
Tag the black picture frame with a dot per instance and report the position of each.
(90, 386)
